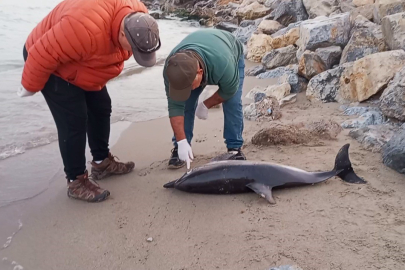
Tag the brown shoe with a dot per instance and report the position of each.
(86, 189)
(110, 166)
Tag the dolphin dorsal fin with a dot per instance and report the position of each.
(262, 190)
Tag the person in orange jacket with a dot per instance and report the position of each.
(70, 56)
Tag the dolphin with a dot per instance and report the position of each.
(240, 176)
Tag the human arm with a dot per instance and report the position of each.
(66, 41)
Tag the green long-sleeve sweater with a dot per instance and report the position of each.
(220, 51)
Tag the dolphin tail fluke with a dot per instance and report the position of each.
(262, 190)
(343, 164)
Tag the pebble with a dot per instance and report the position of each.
(150, 239)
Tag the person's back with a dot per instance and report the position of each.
(85, 30)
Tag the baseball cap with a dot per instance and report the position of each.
(181, 71)
(142, 33)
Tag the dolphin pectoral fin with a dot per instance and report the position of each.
(262, 190)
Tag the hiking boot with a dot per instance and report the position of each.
(175, 162)
(86, 189)
(110, 166)
(238, 155)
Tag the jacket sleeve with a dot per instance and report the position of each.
(66, 41)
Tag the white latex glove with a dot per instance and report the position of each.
(22, 92)
(201, 111)
(185, 152)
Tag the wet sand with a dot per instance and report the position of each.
(332, 225)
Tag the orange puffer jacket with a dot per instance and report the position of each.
(78, 41)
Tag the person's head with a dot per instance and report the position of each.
(184, 74)
(139, 33)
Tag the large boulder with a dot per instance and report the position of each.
(269, 27)
(394, 31)
(317, 8)
(283, 31)
(243, 33)
(366, 38)
(392, 100)
(280, 57)
(370, 118)
(252, 11)
(367, 11)
(359, 3)
(369, 75)
(258, 45)
(230, 27)
(324, 32)
(289, 38)
(310, 65)
(256, 70)
(384, 8)
(326, 85)
(347, 5)
(373, 137)
(394, 152)
(330, 55)
(288, 74)
(287, 11)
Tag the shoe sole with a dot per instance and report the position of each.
(97, 176)
(173, 167)
(102, 197)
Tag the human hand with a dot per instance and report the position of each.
(22, 92)
(185, 152)
(202, 111)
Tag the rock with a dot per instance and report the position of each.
(370, 74)
(310, 65)
(288, 74)
(366, 119)
(230, 27)
(392, 100)
(252, 11)
(251, 94)
(394, 31)
(384, 8)
(317, 8)
(244, 33)
(366, 39)
(288, 100)
(357, 110)
(359, 3)
(329, 55)
(366, 11)
(269, 27)
(256, 70)
(150, 239)
(278, 91)
(280, 57)
(250, 112)
(283, 31)
(288, 11)
(325, 86)
(259, 96)
(324, 32)
(286, 267)
(289, 38)
(157, 14)
(393, 152)
(373, 138)
(258, 45)
(346, 5)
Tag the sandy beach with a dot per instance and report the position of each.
(332, 225)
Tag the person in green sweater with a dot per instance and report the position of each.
(204, 57)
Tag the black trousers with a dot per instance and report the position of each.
(77, 112)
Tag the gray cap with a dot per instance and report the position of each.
(142, 32)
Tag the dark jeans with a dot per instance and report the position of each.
(77, 112)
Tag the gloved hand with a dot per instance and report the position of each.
(202, 111)
(185, 152)
(22, 92)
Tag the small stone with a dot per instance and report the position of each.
(150, 239)
(256, 70)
